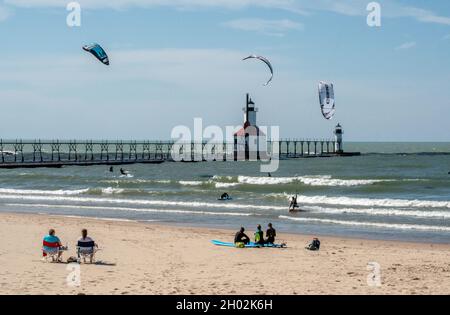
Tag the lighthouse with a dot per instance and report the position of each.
(248, 139)
(338, 132)
(250, 112)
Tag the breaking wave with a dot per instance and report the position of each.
(372, 224)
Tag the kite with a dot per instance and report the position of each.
(326, 99)
(267, 62)
(98, 52)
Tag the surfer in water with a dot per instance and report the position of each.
(241, 237)
(111, 169)
(293, 203)
(225, 196)
(123, 172)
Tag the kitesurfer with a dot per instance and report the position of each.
(241, 237)
(293, 204)
(270, 233)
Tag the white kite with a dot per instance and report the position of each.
(326, 99)
(266, 61)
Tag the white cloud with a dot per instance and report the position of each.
(271, 27)
(4, 13)
(179, 4)
(390, 8)
(407, 45)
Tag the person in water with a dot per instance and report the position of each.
(225, 196)
(259, 236)
(123, 172)
(241, 237)
(111, 169)
(293, 203)
(270, 233)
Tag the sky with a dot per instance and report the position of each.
(175, 60)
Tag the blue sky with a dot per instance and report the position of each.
(173, 60)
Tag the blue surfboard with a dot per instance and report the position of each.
(249, 245)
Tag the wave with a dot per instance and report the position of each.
(383, 212)
(322, 180)
(225, 185)
(372, 224)
(190, 182)
(43, 192)
(111, 191)
(366, 202)
(193, 204)
(135, 209)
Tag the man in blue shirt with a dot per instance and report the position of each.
(51, 245)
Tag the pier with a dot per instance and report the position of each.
(37, 153)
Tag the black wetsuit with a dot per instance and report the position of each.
(224, 196)
(271, 233)
(261, 237)
(241, 237)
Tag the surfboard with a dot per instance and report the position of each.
(225, 199)
(250, 245)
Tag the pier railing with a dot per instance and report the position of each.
(54, 153)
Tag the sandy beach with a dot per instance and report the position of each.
(149, 258)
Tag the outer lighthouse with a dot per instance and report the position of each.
(248, 139)
(250, 112)
(338, 132)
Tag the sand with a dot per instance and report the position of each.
(150, 258)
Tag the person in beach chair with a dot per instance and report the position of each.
(259, 236)
(52, 247)
(241, 237)
(270, 233)
(86, 247)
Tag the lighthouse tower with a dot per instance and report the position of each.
(250, 113)
(248, 139)
(338, 132)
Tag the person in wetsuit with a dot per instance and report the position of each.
(241, 237)
(123, 172)
(224, 196)
(270, 233)
(259, 236)
(111, 169)
(293, 203)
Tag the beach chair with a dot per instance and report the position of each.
(86, 249)
(51, 250)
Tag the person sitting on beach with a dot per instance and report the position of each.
(51, 246)
(270, 233)
(241, 237)
(86, 246)
(259, 236)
